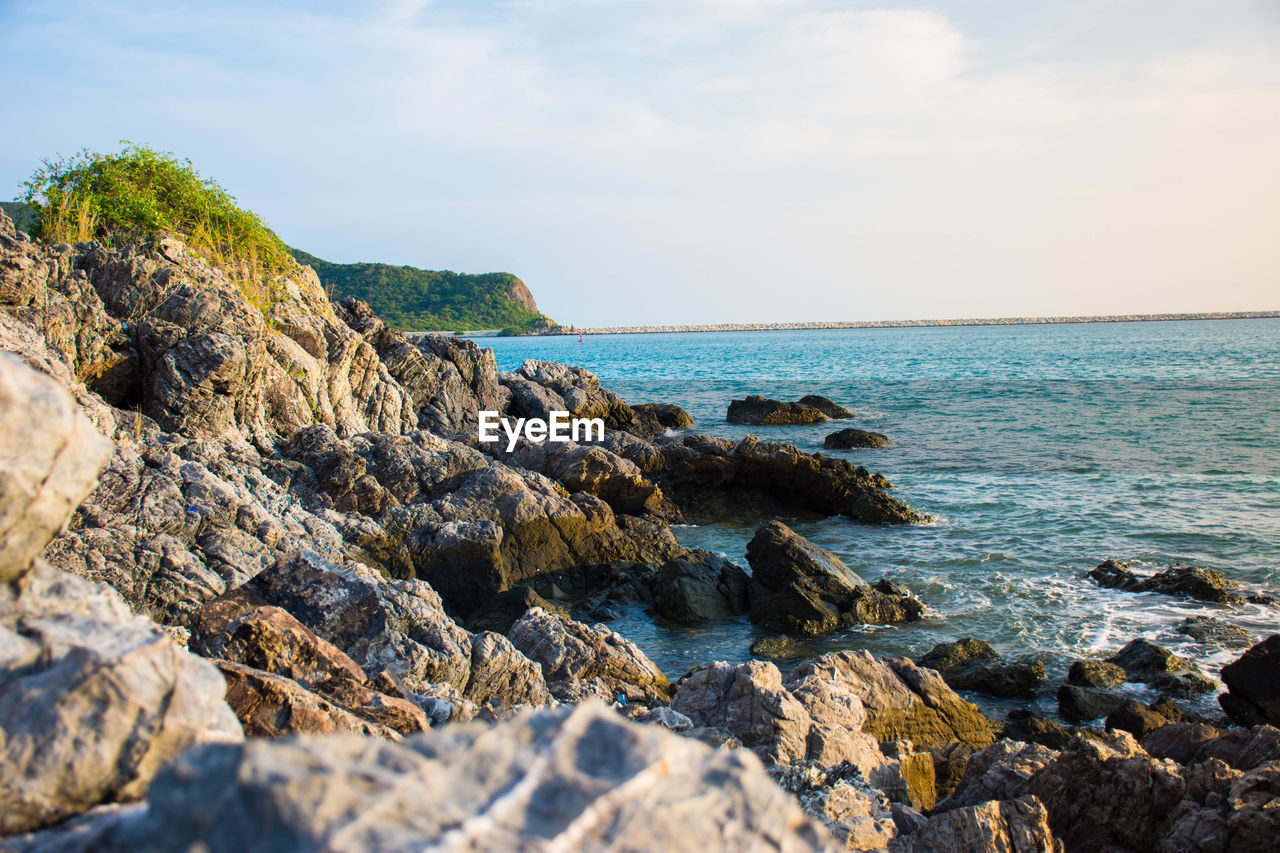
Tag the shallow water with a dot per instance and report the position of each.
(1040, 451)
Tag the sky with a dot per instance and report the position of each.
(705, 161)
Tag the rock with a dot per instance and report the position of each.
(502, 611)
(571, 653)
(849, 438)
(1020, 825)
(832, 410)
(854, 812)
(580, 779)
(1039, 730)
(1095, 673)
(778, 647)
(273, 706)
(665, 717)
(1254, 816)
(700, 587)
(1143, 660)
(970, 664)
(799, 588)
(654, 419)
(1215, 632)
(757, 411)
(1253, 684)
(499, 672)
(902, 701)
(1135, 718)
(1081, 704)
(1243, 749)
(1180, 742)
(50, 456)
(1184, 581)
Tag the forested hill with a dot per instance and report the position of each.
(417, 300)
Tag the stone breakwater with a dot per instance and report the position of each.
(260, 583)
(911, 324)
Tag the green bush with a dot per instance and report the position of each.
(141, 193)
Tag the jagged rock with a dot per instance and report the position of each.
(1006, 826)
(1243, 749)
(712, 479)
(93, 701)
(521, 785)
(270, 705)
(700, 587)
(829, 408)
(1099, 795)
(1216, 632)
(854, 812)
(1179, 741)
(1184, 581)
(500, 672)
(1253, 684)
(1095, 673)
(799, 588)
(902, 701)
(970, 664)
(849, 438)
(571, 653)
(50, 456)
(756, 410)
(1081, 704)
(1030, 728)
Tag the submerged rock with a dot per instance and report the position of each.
(829, 408)
(799, 588)
(1185, 581)
(760, 411)
(1253, 684)
(1216, 632)
(847, 439)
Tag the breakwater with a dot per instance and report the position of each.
(909, 324)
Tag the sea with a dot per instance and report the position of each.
(1039, 451)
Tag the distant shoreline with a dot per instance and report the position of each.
(907, 324)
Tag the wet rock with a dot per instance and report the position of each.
(641, 789)
(829, 408)
(799, 588)
(700, 587)
(777, 647)
(902, 701)
(654, 419)
(1253, 684)
(758, 411)
(1143, 660)
(1095, 673)
(1136, 719)
(849, 438)
(970, 664)
(1081, 704)
(1020, 825)
(1215, 632)
(571, 654)
(1183, 581)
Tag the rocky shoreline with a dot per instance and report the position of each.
(262, 588)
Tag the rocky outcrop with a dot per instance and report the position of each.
(761, 411)
(93, 700)
(1183, 581)
(1253, 684)
(1150, 663)
(700, 587)
(856, 814)
(970, 664)
(850, 438)
(799, 588)
(571, 779)
(999, 826)
(579, 660)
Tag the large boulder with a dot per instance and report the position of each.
(1253, 684)
(564, 779)
(700, 587)
(799, 588)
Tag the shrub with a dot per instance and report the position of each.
(142, 193)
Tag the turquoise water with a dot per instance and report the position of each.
(1040, 451)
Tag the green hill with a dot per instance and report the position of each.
(417, 300)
